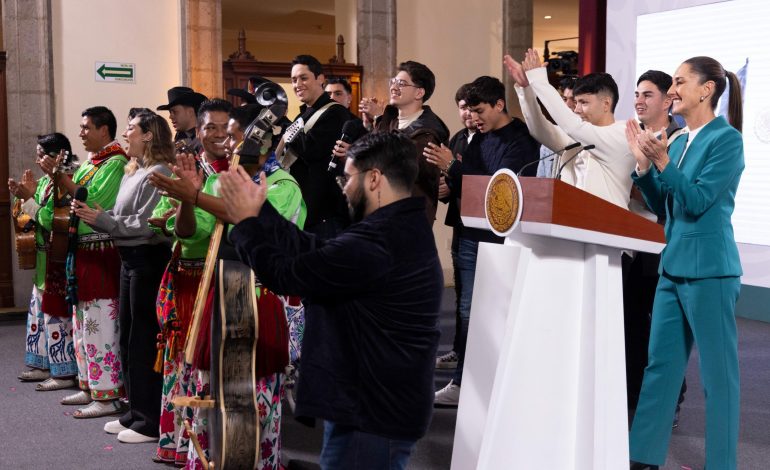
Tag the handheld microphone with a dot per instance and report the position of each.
(587, 147)
(351, 131)
(81, 194)
(569, 147)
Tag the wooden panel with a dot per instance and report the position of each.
(551, 201)
(235, 74)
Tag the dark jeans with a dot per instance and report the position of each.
(458, 287)
(140, 273)
(348, 448)
(467, 252)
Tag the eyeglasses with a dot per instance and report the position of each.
(398, 83)
(342, 180)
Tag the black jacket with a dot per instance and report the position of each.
(323, 197)
(508, 147)
(458, 145)
(372, 297)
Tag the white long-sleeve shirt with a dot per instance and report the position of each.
(604, 171)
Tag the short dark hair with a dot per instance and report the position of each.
(245, 115)
(485, 89)
(214, 104)
(421, 75)
(462, 93)
(393, 153)
(311, 63)
(567, 83)
(345, 84)
(595, 83)
(662, 80)
(102, 116)
(54, 143)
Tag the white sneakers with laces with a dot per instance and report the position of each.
(448, 396)
(447, 361)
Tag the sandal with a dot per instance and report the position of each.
(54, 384)
(80, 398)
(98, 409)
(34, 375)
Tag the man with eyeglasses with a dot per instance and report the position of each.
(317, 127)
(412, 86)
(372, 296)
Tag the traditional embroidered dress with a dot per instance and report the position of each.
(49, 326)
(176, 300)
(283, 194)
(96, 270)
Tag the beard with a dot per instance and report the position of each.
(357, 204)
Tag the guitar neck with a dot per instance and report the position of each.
(203, 288)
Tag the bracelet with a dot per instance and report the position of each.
(450, 164)
(197, 193)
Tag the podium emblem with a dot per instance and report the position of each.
(503, 201)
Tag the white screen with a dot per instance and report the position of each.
(730, 32)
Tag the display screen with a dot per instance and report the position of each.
(731, 32)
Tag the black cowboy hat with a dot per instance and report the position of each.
(183, 95)
(244, 95)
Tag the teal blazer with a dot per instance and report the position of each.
(697, 199)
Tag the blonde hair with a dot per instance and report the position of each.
(160, 148)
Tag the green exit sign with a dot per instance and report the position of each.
(115, 72)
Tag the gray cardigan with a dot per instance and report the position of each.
(127, 220)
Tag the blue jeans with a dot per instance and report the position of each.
(466, 267)
(347, 447)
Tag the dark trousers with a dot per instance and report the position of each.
(458, 288)
(347, 447)
(466, 265)
(141, 270)
(640, 279)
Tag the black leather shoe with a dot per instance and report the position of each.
(675, 424)
(642, 466)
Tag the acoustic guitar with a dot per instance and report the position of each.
(24, 234)
(234, 424)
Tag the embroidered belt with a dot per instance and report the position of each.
(94, 237)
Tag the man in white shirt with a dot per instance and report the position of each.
(603, 171)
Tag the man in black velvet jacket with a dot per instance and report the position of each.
(372, 297)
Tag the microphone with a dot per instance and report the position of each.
(569, 147)
(351, 131)
(81, 194)
(587, 147)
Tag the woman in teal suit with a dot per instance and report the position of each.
(693, 185)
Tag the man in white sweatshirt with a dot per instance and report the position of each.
(603, 171)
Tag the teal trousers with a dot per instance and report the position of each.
(687, 310)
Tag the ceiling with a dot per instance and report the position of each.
(307, 16)
(317, 17)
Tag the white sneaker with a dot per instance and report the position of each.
(447, 361)
(448, 396)
(114, 427)
(130, 436)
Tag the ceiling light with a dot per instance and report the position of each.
(547, 17)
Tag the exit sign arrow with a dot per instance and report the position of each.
(121, 72)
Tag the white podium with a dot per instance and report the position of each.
(544, 379)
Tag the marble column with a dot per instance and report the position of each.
(202, 46)
(376, 35)
(29, 85)
(517, 38)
